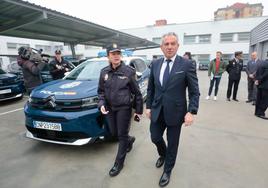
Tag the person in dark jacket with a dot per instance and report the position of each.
(59, 66)
(234, 69)
(118, 91)
(188, 55)
(167, 106)
(251, 73)
(262, 93)
(30, 69)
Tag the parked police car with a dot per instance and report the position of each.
(65, 111)
(11, 86)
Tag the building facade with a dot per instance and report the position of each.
(202, 39)
(259, 40)
(239, 10)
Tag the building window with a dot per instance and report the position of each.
(45, 48)
(227, 57)
(243, 36)
(203, 39)
(58, 47)
(157, 40)
(245, 58)
(190, 39)
(203, 58)
(15, 46)
(226, 37)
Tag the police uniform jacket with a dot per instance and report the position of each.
(58, 73)
(234, 69)
(118, 88)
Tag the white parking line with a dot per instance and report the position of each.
(8, 112)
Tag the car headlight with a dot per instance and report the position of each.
(90, 101)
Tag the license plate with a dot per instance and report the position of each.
(47, 125)
(5, 91)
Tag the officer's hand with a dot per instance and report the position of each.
(256, 82)
(188, 119)
(103, 110)
(148, 113)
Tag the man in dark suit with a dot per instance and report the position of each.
(262, 93)
(234, 69)
(251, 73)
(166, 104)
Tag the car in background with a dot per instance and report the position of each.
(11, 86)
(203, 65)
(14, 68)
(65, 111)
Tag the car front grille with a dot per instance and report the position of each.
(57, 105)
(57, 135)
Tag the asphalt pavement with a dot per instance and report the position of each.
(226, 147)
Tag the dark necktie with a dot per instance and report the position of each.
(166, 73)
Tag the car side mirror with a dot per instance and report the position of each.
(139, 74)
(66, 73)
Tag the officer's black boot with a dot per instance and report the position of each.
(115, 170)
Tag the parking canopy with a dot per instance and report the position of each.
(23, 19)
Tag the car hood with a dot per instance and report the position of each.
(66, 89)
(7, 76)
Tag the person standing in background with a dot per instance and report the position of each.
(251, 70)
(215, 70)
(234, 69)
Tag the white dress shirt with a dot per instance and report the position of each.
(163, 67)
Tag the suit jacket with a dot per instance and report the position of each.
(172, 97)
(252, 67)
(262, 75)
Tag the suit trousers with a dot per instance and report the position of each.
(252, 90)
(261, 102)
(232, 83)
(170, 150)
(119, 125)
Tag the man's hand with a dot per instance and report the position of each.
(148, 113)
(256, 82)
(103, 110)
(188, 119)
(251, 75)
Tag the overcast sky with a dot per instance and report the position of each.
(123, 14)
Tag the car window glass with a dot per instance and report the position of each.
(2, 72)
(140, 65)
(89, 70)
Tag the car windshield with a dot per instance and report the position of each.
(89, 70)
(2, 72)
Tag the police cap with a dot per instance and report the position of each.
(113, 48)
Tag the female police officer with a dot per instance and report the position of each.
(118, 91)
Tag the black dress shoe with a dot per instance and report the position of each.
(236, 100)
(262, 116)
(248, 101)
(160, 161)
(164, 180)
(116, 169)
(228, 99)
(253, 103)
(131, 141)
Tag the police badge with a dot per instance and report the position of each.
(106, 77)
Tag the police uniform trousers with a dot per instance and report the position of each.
(232, 83)
(169, 151)
(119, 125)
(261, 102)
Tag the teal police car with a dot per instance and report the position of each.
(65, 111)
